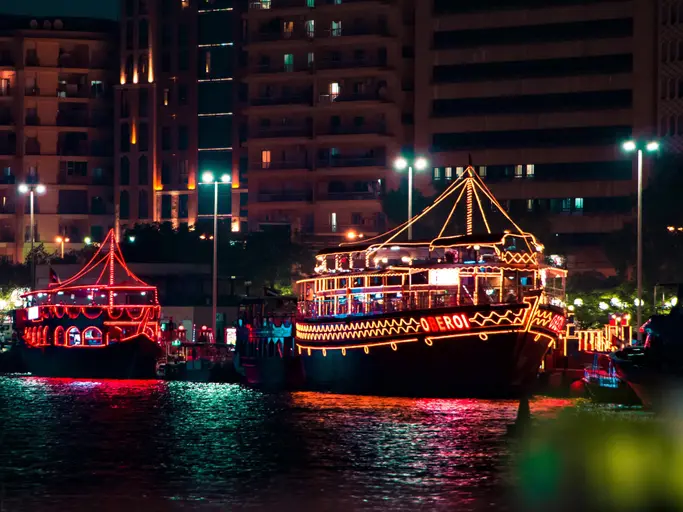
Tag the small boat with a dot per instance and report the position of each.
(102, 322)
(469, 312)
(604, 385)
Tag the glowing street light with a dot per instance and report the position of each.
(630, 146)
(208, 178)
(87, 240)
(32, 189)
(420, 164)
(61, 241)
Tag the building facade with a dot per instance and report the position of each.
(174, 111)
(540, 96)
(322, 113)
(56, 85)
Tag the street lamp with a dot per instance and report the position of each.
(62, 240)
(420, 164)
(32, 189)
(630, 146)
(209, 179)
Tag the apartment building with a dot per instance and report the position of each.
(540, 95)
(55, 130)
(322, 114)
(174, 112)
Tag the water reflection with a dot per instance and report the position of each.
(66, 445)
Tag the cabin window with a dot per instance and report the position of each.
(394, 281)
(59, 335)
(376, 281)
(358, 282)
(92, 337)
(343, 283)
(73, 337)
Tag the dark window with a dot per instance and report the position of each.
(600, 65)
(550, 32)
(125, 105)
(182, 94)
(97, 205)
(567, 137)
(130, 7)
(129, 35)
(143, 68)
(165, 173)
(166, 62)
(143, 34)
(450, 6)
(408, 52)
(165, 138)
(124, 205)
(166, 35)
(182, 35)
(125, 137)
(130, 64)
(183, 59)
(124, 172)
(166, 207)
(143, 137)
(183, 211)
(143, 171)
(144, 102)
(73, 202)
(183, 138)
(143, 205)
(598, 100)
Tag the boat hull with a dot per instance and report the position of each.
(457, 352)
(132, 359)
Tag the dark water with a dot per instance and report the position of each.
(147, 445)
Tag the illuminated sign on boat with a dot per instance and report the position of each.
(33, 313)
(557, 324)
(442, 323)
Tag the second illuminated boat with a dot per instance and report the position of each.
(464, 314)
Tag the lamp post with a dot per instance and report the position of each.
(61, 241)
(32, 189)
(631, 146)
(209, 179)
(420, 164)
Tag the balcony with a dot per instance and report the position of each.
(73, 91)
(32, 120)
(32, 91)
(329, 64)
(285, 197)
(73, 61)
(7, 208)
(275, 5)
(350, 196)
(329, 99)
(6, 118)
(340, 162)
(262, 69)
(73, 119)
(352, 133)
(280, 166)
(303, 99)
(282, 132)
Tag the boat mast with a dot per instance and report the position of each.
(469, 205)
(112, 246)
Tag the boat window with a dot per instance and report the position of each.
(376, 281)
(343, 283)
(92, 337)
(330, 262)
(358, 282)
(488, 289)
(420, 278)
(330, 285)
(359, 260)
(394, 281)
(466, 289)
(73, 337)
(59, 335)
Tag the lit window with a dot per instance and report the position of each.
(566, 205)
(482, 171)
(265, 159)
(92, 336)
(310, 3)
(287, 29)
(336, 29)
(311, 59)
(166, 97)
(289, 62)
(578, 203)
(530, 205)
(333, 222)
(448, 173)
(437, 174)
(73, 336)
(310, 28)
(208, 62)
(530, 171)
(519, 171)
(334, 90)
(459, 171)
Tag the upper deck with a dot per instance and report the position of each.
(386, 274)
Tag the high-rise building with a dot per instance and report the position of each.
(56, 87)
(540, 94)
(322, 113)
(174, 111)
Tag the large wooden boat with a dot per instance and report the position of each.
(101, 323)
(469, 313)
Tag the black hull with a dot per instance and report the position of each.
(11, 361)
(623, 394)
(503, 366)
(133, 359)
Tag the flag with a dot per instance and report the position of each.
(54, 278)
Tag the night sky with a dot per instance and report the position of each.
(81, 8)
